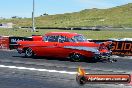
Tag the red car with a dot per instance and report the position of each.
(64, 45)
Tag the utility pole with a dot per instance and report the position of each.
(33, 25)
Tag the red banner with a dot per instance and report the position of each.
(4, 42)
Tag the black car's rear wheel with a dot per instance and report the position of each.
(76, 57)
(29, 52)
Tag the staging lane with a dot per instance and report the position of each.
(57, 80)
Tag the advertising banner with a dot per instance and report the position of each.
(123, 48)
(4, 42)
(13, 41)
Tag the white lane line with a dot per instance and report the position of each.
(34, 69)
(6, 50)
(119, 57)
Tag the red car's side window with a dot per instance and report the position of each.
(64, 39)
(56, 38)
(51, 38)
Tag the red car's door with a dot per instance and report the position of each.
(52, 47)
(60, 51)
(46, 49)
(49, 47)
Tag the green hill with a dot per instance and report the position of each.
(120, 16)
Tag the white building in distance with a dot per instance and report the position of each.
(6, 25)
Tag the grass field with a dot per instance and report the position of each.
(104, 34)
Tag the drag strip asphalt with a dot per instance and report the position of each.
(20, 72)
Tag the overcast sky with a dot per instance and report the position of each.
(23, 8)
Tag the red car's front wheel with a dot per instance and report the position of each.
(76, 57)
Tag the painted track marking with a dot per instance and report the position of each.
(41, 70)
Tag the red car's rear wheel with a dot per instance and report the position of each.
(29, 52)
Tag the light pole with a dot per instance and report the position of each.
(33, 26)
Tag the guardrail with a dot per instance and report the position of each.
(121, 48)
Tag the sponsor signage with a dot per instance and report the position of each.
(13, 41)
(122, 48)
(4, 42)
